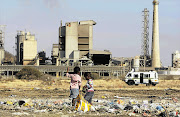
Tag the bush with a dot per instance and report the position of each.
(47, 79)
(29, 73)
(95, 76)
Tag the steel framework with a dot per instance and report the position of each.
(145, 34)
(145, 56)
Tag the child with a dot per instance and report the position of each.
(75, 84)
(89, 85)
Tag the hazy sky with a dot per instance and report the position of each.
(118, 28)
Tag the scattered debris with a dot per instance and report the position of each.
(21, 102)
(20, 113)
(148, 107)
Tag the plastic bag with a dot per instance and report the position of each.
(82, 104)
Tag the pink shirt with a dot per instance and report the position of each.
(75, 80)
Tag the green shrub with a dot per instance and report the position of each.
(29, 73)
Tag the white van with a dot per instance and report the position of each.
(136, 78)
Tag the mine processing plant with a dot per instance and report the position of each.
(2, 36)
(76, 46)
(26, 48)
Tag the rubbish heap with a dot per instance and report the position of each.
(146, 107)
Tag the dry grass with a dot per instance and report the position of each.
(19, 84)
(109, 84)
(119, 84)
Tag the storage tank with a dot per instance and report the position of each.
(28, 33)
(22, 33)
(176, 55)
(136, 63)
(175, 59)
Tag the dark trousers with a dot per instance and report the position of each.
(88, 97)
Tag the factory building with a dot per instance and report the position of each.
(176, 59)
(100, 57)
(76, 39)
(26, 48)
(55, 53)
(42, 57)
(76, 45)
(122, 61)
(2, 56)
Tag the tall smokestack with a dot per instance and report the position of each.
(155, 37)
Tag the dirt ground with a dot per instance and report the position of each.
(59, 89)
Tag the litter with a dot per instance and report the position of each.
(82, 104)
(21, 102)
(40, 111)
(9, 103)
(145, 107)
(159, 108)
(128, 107)
(58, 102)
(120, 102)
(20, 113)
(103, 97)
(132, 102)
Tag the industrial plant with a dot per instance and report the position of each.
(75, 48)
(26, 48)
(2, 43)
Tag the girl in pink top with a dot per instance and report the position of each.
(75, 84)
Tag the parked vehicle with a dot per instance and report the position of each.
(147, 78)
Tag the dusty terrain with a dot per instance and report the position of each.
(59, 89)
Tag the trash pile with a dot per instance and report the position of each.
(29, 106)
(134, 107)
(148, 107)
